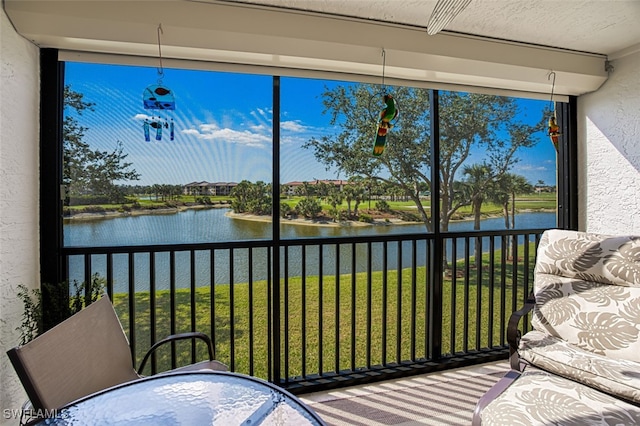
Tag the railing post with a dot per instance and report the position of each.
(275, 375)
(52, 264)
(567, 166)
(437, 258)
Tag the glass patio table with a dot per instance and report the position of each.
(188, 398)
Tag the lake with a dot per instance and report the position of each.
(211, 225)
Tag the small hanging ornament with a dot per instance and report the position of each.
(553, 129)
(158, 97)
(387, 117)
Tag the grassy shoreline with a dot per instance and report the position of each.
(539, 203)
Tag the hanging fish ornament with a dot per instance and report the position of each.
(159, 98)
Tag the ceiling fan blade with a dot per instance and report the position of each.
(444, 12)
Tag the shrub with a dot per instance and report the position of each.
(85, 200)
(383, 206)
(410, 217)
(365, 218)
(309, 208)
(285, 210)
(63, 301)
(94, 209)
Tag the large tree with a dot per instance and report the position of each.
(467, 120)
(88, 171)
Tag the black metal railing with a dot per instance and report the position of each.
(348, 310)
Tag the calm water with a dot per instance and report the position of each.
(211, 225)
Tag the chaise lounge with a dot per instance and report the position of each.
(580, 363)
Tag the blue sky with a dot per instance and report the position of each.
(223, 125)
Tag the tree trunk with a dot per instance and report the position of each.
(476, 206)
(513, 210)
(423, 214)
(505, 212)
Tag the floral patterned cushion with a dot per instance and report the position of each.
(618, 377)
(541, 398)
(586, 336)
(587, 290)
(590, 257)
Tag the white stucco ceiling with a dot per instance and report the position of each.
(597, 26)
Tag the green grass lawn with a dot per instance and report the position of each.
(543, 202)
(325, 313)
(152, 203)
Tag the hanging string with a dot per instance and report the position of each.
(384, 64)
(552, 106)
(161, 69)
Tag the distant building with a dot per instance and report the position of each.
(208, 188)
(292, 186)
(544, 188)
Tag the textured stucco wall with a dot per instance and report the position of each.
(19, 239)
(609, 152)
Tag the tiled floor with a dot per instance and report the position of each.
(444, 398)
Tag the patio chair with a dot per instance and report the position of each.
(84, 354)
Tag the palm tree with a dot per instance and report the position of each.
(349, 192)
(499, 194)
(335, 197)
(505, 190)
(305, 190)
(518, 185)
(479, 179)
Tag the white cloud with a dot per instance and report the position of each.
(190, 132)
(530, 167)
(209, 127)
(262, 114)
(260, 128)
(254, 134)
(293, 126)
(141, 117)
(213, 132)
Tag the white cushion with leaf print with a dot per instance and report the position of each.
(587, 290)
(541, 398)
(619, 377)
(590, 257)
